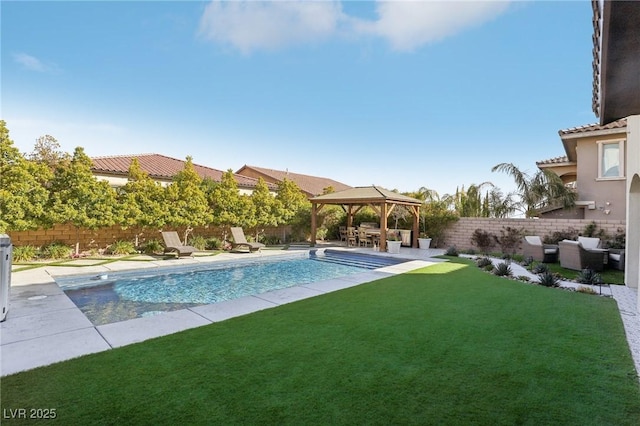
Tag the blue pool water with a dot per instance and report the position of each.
(122, 296)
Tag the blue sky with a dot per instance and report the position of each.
(400, 94)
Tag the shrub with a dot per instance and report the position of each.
(540, 268)
(587, 290)
(151, 247)
(488, 268)
(213, 243)
(270, 240)
(452, 251)
(483, 261)
(618, 241)
(589, 276)
(482, 239)
(527, 261)
(56, 250)
(548, 279)
(523, 278)
(198, 241)
(509, 239)
(122, 247)
(502, 270)
(555, 237)
(25, 253)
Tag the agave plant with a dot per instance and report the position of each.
(540, 268)
(548, 279)
(502, 270)
(589, 276)
(483, 261)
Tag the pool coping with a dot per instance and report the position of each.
(44, 326)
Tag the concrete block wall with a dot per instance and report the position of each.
(459, 233)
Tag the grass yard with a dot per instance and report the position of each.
(448, 344)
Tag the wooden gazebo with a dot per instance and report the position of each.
(381, 200)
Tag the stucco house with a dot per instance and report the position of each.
(311, 185)
(594, 165)
(616, 95)
(115, 170)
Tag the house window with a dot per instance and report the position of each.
(610, 159)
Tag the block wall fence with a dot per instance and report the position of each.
(458, 234)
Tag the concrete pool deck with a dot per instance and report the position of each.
(43, 326)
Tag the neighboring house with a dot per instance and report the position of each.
(311, 185)
(594, 165)
(616, 95)
(115, 170)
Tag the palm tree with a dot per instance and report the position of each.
(543, 189)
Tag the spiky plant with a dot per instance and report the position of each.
(483, 261)
(589, 276)
(540, 268)
(502, 270)
(527, 261)
(548, 279)
(452, 251)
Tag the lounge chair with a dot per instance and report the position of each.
(173, 244)
(533, 247)
(239, 240)
(574, 256)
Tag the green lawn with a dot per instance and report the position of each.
(609, 276)
(448, 344)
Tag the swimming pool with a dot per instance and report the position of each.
(121, 296)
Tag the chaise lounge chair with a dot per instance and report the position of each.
(173, 244)
(239, 240)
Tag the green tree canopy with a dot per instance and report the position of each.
(264, 207)
(187, 203)
(226, 203)
(77, 197)
(289, 200)
(23, 197)
(142, 200)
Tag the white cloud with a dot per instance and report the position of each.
(29, 62)
(252, 25)
(405, 24)
(408, 25)
(34, 64)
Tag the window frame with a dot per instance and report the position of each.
(621, 168)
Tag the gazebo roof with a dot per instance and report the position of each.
(365, 195)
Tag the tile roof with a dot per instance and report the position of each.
(618, 124)
(161, 167)
(556, 160)
(312, 185)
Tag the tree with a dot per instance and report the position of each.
(264, 208)
(543, 189)
(23, 197)
(142, 200)
(225, 201)
(47, 151)
(289, 200)
(187, 203)
(78, 198)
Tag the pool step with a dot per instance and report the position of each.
(350, 259)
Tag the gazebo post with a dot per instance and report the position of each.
(416, 226)
(314, 213)
(383, 227)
